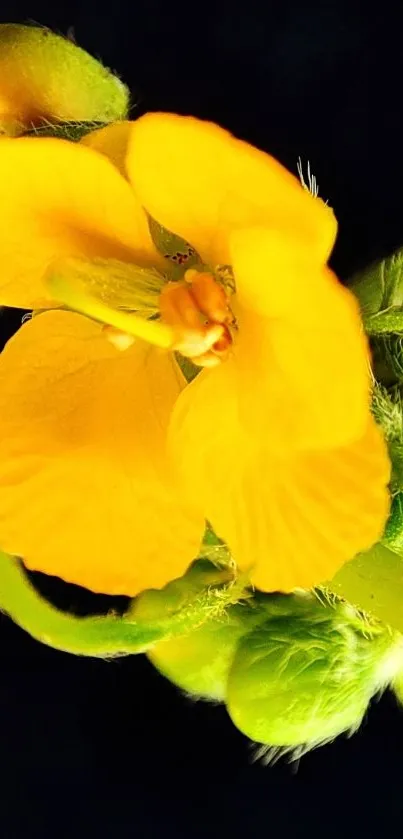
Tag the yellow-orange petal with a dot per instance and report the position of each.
(290, 521)
(85, 489)
(62, 199)
(300, 349)
(200, 182)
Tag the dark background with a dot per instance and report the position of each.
(90, 748)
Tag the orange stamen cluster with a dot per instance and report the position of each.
(198, 310)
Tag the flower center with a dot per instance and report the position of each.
(197, 308)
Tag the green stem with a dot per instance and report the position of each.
(103, 636)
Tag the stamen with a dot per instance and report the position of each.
(197, 308)
(209, 296)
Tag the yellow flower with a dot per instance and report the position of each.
(109, 464)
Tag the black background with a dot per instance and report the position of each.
(90, 748)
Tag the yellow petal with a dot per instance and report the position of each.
(60, 199)
(85, 490)
(201, 183)
(289, 521)
(301, 353)
(111, 141)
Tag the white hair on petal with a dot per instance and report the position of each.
(311, 183)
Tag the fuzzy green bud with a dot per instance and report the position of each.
(47, 79)
(303, 679)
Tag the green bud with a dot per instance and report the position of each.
(300, 680)
(199, 662)
(47, 79)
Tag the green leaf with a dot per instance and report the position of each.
(379, 290)
(380, 286)
(373, 581)
(384, 323)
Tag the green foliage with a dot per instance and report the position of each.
(379, 290)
